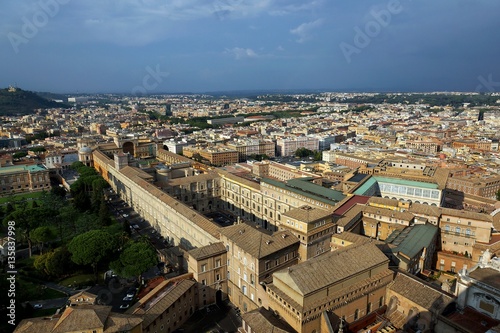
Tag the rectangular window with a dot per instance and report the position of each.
(204, 267)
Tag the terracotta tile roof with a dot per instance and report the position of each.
(488, 276)
(417, 208)
(82, 318)
(188, 180)
(208, 226)
(388, 213)
(207, 251)
(118, 322)
(356, 238)
(383, 201)
(307, 214)
(256, 243)
(165, 295)
(240, 180)
(419, 292)
(264, 321)
(331, 268)
(348, 215)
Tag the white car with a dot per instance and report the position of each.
(135, 226)
(125, 306)
(37, 306)
(125, 215)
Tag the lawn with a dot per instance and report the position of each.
(20, 197)
(35, 291)
(80, 280)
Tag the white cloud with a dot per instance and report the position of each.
(303, 31)
(241, 53)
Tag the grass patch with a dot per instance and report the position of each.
(80, 280)
(20, 197)
(33, 291)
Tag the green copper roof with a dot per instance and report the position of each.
(21, 168)
(305, 187)
(412, 239)
(398, 181)
(363, 189)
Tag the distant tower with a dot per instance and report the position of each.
(168, 110)
(481, 115)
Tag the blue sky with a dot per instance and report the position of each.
(215, 45)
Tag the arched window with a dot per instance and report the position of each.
(467, 232)
(447, 228)
(457, 230)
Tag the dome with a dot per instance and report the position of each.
(85, 150)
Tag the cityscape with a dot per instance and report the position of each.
(350, 212)
(210, 166)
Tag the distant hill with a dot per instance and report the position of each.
(18, 101)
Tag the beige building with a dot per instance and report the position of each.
(252, 258)
(380, 222)
(209, 267)
(249, 147)
(312, 226)
(414, 305)
(350, 282)
(168, 306)
(23, 178)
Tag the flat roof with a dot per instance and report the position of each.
(366, 186)
(303, 187)
(21, 168)
(405, 182)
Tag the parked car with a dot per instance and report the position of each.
(125, 306)
(38, 306)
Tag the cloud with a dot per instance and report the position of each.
(241, 53)
(303, 31)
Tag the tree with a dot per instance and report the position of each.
(56, 263)
(104, 218)
(498, 195)
(92, 248)
(58, 191)
(59, 263)
(136, 258)
(303, 152)
(42, 235)
(25, 222)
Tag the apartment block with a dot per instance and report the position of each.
(209, 267)
(253, 256)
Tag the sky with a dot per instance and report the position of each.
(161, 46)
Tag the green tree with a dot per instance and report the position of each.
(498, 195)
(59, 263)
(42, 235)
(318, 156)
(19, 155)
(136, 258)
(58, 191)
(104, 218)
(40, 263)
(303, 152)
(92, 248)
(81, 201)
(25, 223)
